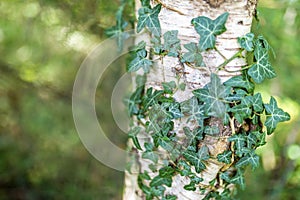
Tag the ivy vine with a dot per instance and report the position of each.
(233, 103)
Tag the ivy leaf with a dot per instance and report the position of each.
(151, 97)
(158, 181)
(196, 159)
(145, 3)
(257, 103)
(140, 61)
(213, 96)
(250, 158)
(169, 87)
(239, 179)
(242, 111)
(240, 82)
(172, 43)
(193, 55)
(262, 68)
(149, 18)
(239, 143)
(208, 29)
(149, 153)
(134, 100)
(246, 42)
(184, 168)
(133, 135)
(211, 130)
(225, 157)
(274, 115)
(237, 95)
(192, 108)
(174, 110)
(118, 33)
(169, 197)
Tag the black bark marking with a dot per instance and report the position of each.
(215, 3)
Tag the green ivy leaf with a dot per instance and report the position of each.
(174, 110)
(257, 103)
(149, 153)
(190, 187)
(193, 55)
(274, 115)
(240, 82)
(149, 18)
(158, 181)
(169, 197)
(145, 3)
(118, 33)
(236, 95)
(250, 158)
(140, 61)
(262, 68)
(184, 168)
(134, 100)
(225, 157)
(172, 43)
(246, 42)
(239, 179)
(241, 111)
(133, 135)
(208, 29)
(239, 143)
(211, 130)
(194, 110)
(213, 96)
(196, 159)
(150, 98)
(169, 87)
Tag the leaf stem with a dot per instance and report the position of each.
(168, 7)
(236, 55)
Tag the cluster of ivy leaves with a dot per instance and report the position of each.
(156, 111)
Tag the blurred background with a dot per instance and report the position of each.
(42, 44)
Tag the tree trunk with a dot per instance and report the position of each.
(177, 15)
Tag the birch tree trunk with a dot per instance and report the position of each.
(177, 15)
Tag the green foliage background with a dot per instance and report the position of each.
(42, 44)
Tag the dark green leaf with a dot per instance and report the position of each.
(149, 18)
(246, 42)
(169, 87)
(257, 103)
(140, 61)
(193, 55)
(211, 130)
(192, 108)
(169, 197)
(239, 179)
(274, 115)
(239, 143)
(190, 187)
(134, 100)
(225, 157)
(196, 159)
(158, 180)
(149, 153)
(213, 96)
(174, 110)
(172, 43)
(242, 111)
(250, 158)
(240, 82)
(208, 29)
(133, 135)
(150, 97)
(184, 168)
(262, 68)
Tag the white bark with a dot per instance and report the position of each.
(238, 24)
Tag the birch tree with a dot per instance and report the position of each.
(196, 119)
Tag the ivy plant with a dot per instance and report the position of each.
(233, 102)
